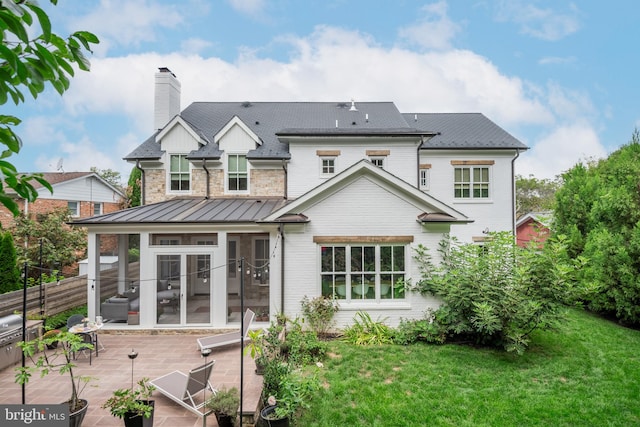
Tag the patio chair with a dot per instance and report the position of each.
(228, 337)
(87, 337)
(184, 388)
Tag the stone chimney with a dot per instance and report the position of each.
(167, 97)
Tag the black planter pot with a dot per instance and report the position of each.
(266, 415)
(131, 419)
(224, 420)
(75, 418)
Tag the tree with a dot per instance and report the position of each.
(535, 195)
(598, 208)
(62, 245)
(134, 188)
(109, 175)
(30, 58)
(499, 293)
(9, 271)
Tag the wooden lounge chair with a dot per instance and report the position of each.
(185, 389)
(229, 337)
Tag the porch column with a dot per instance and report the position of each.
(93, 275)
(147, 283)
(123, 262)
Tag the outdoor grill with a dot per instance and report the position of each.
(10, 336)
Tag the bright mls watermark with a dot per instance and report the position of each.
(34, 415)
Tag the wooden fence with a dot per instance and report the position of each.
(65, 295)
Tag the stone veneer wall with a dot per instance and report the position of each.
(155, 186)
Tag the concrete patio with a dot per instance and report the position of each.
(158, 354)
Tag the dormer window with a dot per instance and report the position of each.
(180, 176)
(237, 173)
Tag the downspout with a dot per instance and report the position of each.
(204, 166)
(142, 182)
(513, 192)
(282, 263)
(286, 179)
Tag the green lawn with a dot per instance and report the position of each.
(585, 374)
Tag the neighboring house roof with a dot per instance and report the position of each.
(274, 122)
(58, 178)
(434, 209)
(191, 210)
(462, 131)
(543, 218)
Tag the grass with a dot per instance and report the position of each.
(585, 374)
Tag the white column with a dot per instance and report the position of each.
(123, 262)
(93, 275)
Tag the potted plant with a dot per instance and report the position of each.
(255, 348)
(225, 405)
(51, 333)
(133, 404)
(60, 360)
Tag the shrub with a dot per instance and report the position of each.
(319, 313)
(497, 294)
(410, 331)
(366, 331)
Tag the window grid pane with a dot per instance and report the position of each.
(237, 172)
(179, 173)
(466, 187)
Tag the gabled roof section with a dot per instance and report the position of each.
(57, 179)
(236, 121)
(293, 211)
(191, 210)
(462, 131)
(179, 121)
(543, 218)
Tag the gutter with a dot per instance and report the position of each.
(142, 182)
(513, 192)
(282, 263)
(204, 166)
(286, 179)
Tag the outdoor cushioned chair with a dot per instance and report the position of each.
(184, 388)
(229, 337)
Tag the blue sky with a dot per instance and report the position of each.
(561, 76)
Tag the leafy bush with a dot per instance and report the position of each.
(366, 331)
(410, 331)
(319, 313)
(498, 293)
(302, 347)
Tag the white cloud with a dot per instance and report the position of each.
(557, 60)
(434, 31)
(128, 23)
(195, 45)
(545, 24)
(249, 7)
(560, 150)
(337, 65)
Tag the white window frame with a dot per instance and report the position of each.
(180, 173)
(227, 174)
(261, 265)
(323, 166)
(97, 208)
(425, 179)
(378, 161)
(350, 277)
(75, 210)
(472, 183)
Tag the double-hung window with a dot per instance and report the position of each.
(328, 165)
(472, 181)
(358, 272)
(179, 173)
(74, 208)
(237, 173)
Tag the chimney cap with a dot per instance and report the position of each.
(166, 70)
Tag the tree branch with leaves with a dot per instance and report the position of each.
(32, 58)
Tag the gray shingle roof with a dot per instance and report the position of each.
(462, 131)
(273, 122)
(191, 210)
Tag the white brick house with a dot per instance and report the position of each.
(310, 198)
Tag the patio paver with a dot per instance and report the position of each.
(157, 355)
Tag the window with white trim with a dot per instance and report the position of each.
(471, 182)
(74, 208)
(97, 208)
(261, 260)
(363, 272)
(424, 179)
(237, 173)
(179, 173)
(327, 165)
(377, 161)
